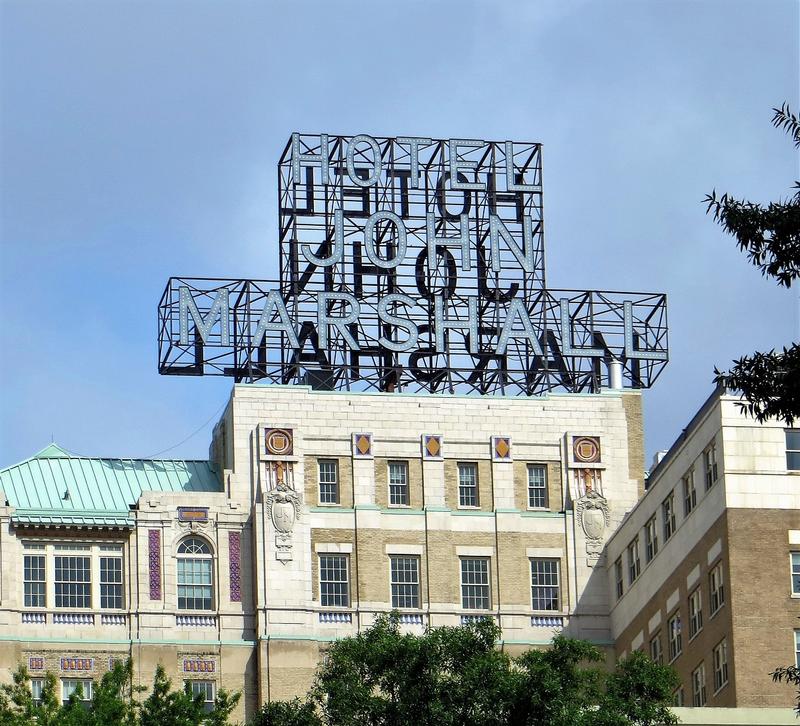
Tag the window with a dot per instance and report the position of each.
(73, 568)
(689, 494)
(674, 634)
(537, 486)
(73, 582)
(699, 685)
(71, 685)
(398, 483)
(328, 481)
(202, 690)
(37, 686)
(634, 564)
(110, 580)
(720, 665)
(795, 573)
(334, 584)
(195, 590)
(717, 588)
(793, 449)
(545, 588)
(34, 581)
(650, 539)
(710, 465)
(618, 577)
(404, 581)
(656, 654)
(475, 583)
(668, 516)
(467, 485)
(695, 613)
(797, 648)
(677, 697)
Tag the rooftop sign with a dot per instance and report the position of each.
(411, 264)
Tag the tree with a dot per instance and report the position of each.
(456, 676)
(770, 236)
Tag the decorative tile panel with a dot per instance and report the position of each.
(154, 560)
(235, 565)
(192, 514)
(197, 665)
(362, 446)
(586, 449)
(432, 447)
(35, 664)
(77, 664)
(501, 448)
(279, 442)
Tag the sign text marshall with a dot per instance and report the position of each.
(411, 264)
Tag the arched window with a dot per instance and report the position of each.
(195, 587)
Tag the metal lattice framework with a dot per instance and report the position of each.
(411, 264)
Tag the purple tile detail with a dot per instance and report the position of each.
(154, 559)
(235, 562)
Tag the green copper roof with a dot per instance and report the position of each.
(57, 487)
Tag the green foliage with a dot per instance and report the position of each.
(790, 674)
(113, 702)
(458, 677)
(770, 237)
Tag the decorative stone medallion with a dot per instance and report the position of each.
(501, 448)
(362, 446)
(432, 447)
(279, 442)
(586, 449)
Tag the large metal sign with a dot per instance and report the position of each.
(411, 264)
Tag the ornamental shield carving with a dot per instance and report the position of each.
(592, 513)
(283, 508)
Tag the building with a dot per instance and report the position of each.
(317, 511)
(704, 572)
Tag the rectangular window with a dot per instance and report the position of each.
(668, 516)
(334, 585)
(710, 465)
(797, 648)
(656, 654)
(202, 690)
(398, 483)
(674, 634)
(634, 564)
(795, 573)
(716, 588)
(720, 665)
(689, 494)
(73, 578)
(618, 578)
(111, 582)
(194, 583)
(328, 481)
(467, 485)
(650, 539)
(37, 686)
(475, 594)
(793, 449)
(537, 486)
(545, 588)
(71, 685)
(404, 581)
(699, 685)
(34, 581)
(677, 697)
(695, 613)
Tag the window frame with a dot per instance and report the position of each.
(792, 453)
(543, 489)
(716, 595)
(634, 562)
(182, 558)
(695, 601)
(86, 687)
(394, 595)
(674, 636)
(797, 648)
(699, 693)
(619, 578)
(487, 585)
(710, 469)
(402, 465)
(337, 498)
(689, 494)
(112, 589)
(650, 539)
(720, 665)
(543, 588)
(37, 685)
(656, 654)
(346, 582)
(794, 569)
(208, 686)
(668, 516)
(461, 467)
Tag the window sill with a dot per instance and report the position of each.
(712, 615)
(398, 506)
(538, 509)
(719, 689)
(692, 637)
(329, 504)
(678, 655)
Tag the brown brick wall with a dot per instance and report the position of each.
(632, 405)
(345, 480)
(485, 495)
(554, 490)
(414, 482)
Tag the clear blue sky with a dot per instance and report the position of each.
(139, 140)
